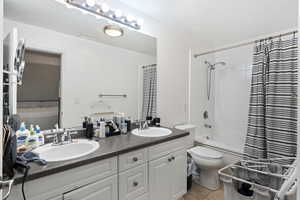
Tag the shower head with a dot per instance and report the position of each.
(220, 63)
(212, 66)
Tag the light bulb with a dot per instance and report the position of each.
(118, 13)
(90, 3)
(130, 18)
(84, 12)
(104, 7)
(113, 31)
(140, 22)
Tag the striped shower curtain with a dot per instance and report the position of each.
(149, 91)
(272, 118)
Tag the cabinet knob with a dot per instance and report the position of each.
(135, 183)
(135, 159)
(173, 158)
(170, 159)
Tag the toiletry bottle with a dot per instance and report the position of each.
(123, 127)
(32, 141)
(97, 129)
(85, 121)
(149, 120)
(90, 129)
(107, 129)
(128, 124)
(41, 139)
(22, 135)
(157, 122)
(102, 129)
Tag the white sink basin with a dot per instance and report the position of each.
(78, 148)
(152, 132)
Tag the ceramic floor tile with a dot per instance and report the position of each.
(198, 192)
(215, 195)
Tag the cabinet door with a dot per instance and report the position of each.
(178, 168)
(105, 189)
(159, 179)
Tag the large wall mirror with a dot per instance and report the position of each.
(74, 69)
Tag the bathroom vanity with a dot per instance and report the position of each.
(126, 167)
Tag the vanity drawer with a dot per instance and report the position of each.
(133, 183)
(133, 159)
(165, 148)
(67, 180)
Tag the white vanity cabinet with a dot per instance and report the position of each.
(154, 173)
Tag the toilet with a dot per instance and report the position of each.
(209, 161)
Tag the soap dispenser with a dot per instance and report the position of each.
(22, 135)
(41, 139)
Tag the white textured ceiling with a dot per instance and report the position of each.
(55, 16)
(222, 21)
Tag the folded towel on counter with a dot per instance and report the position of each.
(30, 156)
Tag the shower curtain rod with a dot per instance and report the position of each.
(245, 43)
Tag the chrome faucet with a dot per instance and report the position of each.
(61, 136)
(143, 125)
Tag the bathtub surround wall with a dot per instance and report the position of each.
(228, 105)
(80, 98)
(198, 96)
(232, 94)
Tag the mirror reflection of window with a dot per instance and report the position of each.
(38, 99)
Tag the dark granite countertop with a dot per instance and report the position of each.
(109, 147)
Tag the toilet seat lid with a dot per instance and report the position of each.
(205, 152)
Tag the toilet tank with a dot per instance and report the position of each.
(191, 129)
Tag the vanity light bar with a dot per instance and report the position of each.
(104, 11)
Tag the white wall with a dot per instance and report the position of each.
(88, 69)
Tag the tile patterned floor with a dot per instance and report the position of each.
(200, 193)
